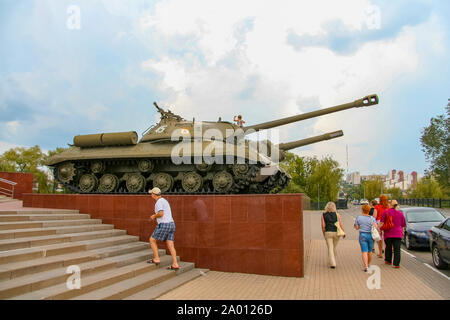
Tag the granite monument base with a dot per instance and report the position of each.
(258, 234)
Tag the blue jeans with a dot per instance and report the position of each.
(366, 241)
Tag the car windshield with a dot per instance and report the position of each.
(424, 216)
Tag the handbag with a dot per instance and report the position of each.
(340, 232)
(375, 234)
(388, 224)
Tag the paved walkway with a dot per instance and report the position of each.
(412, 281)
(347, 281)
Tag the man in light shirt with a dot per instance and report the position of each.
(165, 230)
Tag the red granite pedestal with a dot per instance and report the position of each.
(259, 234)
(24, 183)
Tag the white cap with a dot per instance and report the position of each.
(155, 190)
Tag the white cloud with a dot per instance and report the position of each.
(5, 146)
(281, 76)
(12, 126)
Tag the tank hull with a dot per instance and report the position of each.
(138, 168)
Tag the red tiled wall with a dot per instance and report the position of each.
(24, 183)
(260, 234)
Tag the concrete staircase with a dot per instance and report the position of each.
(37, 247)
(6, 199)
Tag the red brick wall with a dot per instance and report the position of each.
(260, 234)
(24, 183)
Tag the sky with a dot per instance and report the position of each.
(70, 67)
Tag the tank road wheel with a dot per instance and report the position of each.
(66, 172)
(222, 181)
(135, 182)
(108, 183)
(240, 170)
(192, 182)
(204, 167)
(163, 181)
(97, 167)
(145, 165)
(88, 183)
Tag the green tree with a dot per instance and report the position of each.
(426, 187)
(394, 193)
(29, 160)
(22, 159)
(435, 141)
(295, 166)
(316, 178)
(372, 188)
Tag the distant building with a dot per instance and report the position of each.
(354, 178)
(393, 179)
(400, 180)
(373, 177)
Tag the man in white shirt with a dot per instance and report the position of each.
(165, 230)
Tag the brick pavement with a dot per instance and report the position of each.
(346, 282)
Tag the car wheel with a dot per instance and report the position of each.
(437, 261)
(407, 242)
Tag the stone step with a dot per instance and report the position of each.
(18, 269)
(63, 248)
(34, 282)
(93, 282)
(24, 233)
(135, 257)
(11, 244)
(41, 217)
(7, 199)
(39, 211)
(122, 249)
(46, 224)
(159, 289)
(125, 288)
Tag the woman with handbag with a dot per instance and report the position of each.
(392, 224)
(332, 229)
(380, 208)
(364, 224)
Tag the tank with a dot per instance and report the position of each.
(181, 156)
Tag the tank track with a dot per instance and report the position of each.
(242, 184)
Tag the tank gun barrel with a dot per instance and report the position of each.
(304, 142)
(367, 101)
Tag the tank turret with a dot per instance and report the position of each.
(181, 156)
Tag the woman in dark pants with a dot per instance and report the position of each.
(393, 236)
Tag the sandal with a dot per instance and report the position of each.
(172, 268)
(153, 261)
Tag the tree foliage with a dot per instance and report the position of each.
(29, 160)
(373, 188)
(319, 179)
(426, 187)
(394, 193)
(435, 141)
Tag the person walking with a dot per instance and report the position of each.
(380, 208)
(394, 235)
(364, 223)
(164, 231)
(329, 230)
(373, 213)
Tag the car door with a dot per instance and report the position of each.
(444, 241)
